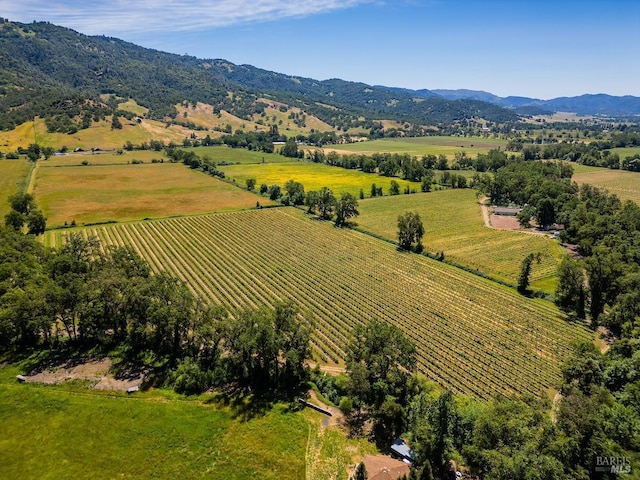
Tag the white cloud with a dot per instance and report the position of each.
(138, 16)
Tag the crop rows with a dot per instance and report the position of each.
(472, 336)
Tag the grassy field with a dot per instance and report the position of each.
(625, 184)
(103, 158)
(472, 335)
(222, 153)
(90, 194)
(99, 135)
(13, 178)
(313, 176)
(453, 223)
(626, 152)
(69, 431)
(419, 146)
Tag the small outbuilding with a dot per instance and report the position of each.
(401, 451)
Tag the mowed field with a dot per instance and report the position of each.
(65, 432)
(104, 158)
(418, 146)
(313, 176)
(13, 177)
(454, 224)
(625, 184)
(222, 153)
(472, 335)
(89, 194)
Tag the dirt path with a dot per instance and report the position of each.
(334, 371)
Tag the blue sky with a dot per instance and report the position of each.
(541, 49)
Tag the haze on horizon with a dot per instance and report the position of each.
(539, 49)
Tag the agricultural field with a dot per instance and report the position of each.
(418, 146)
(89, 194)
(103, 158)
(13, 179)
(313, 176)
(68, 431)
(454, 224)
(625, 184)
(472, 335)
(222, 153)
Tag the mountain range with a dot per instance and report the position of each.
(48, 70)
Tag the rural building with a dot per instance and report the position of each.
(506, 211)
(401, 450)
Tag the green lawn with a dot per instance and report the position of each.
(13, 178)
(313, 176)
(453, 223)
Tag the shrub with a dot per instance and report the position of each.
(189, 378)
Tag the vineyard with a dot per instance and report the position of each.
(472, 335)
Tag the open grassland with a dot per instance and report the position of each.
(222, 153)
(103, 158)
(418, 146)
(626, 152)
(67, 432)
(472, 335)
(625, 184)
(132, 106)
(89, 194)
(99, 135)
(454, 224)
(13, 178)
(313, 176)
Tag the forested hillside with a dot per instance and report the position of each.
(49, 70)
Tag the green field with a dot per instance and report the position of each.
(625, 184)
(454, 224)
(89, 194)
(71, 432)
(13, 178)
(222, 153)
(472, 335)
(313, 176)
(418, 146)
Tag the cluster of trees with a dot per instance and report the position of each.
(24, 211)
(596, 154)
(83, 296)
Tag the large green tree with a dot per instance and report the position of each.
(410, 231)
(346, 208)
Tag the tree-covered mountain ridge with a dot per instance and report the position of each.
(48, 70)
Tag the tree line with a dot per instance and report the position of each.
(82, 297)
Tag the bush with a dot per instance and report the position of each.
(12, 156)
(189, 378)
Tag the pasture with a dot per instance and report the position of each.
(454, 224)
(625, 184)
(14, 175)
(103, 158)
(313, 176)
(89, 194)
(222, 153)
(68, 431)
(473, 336)
(419, 146)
